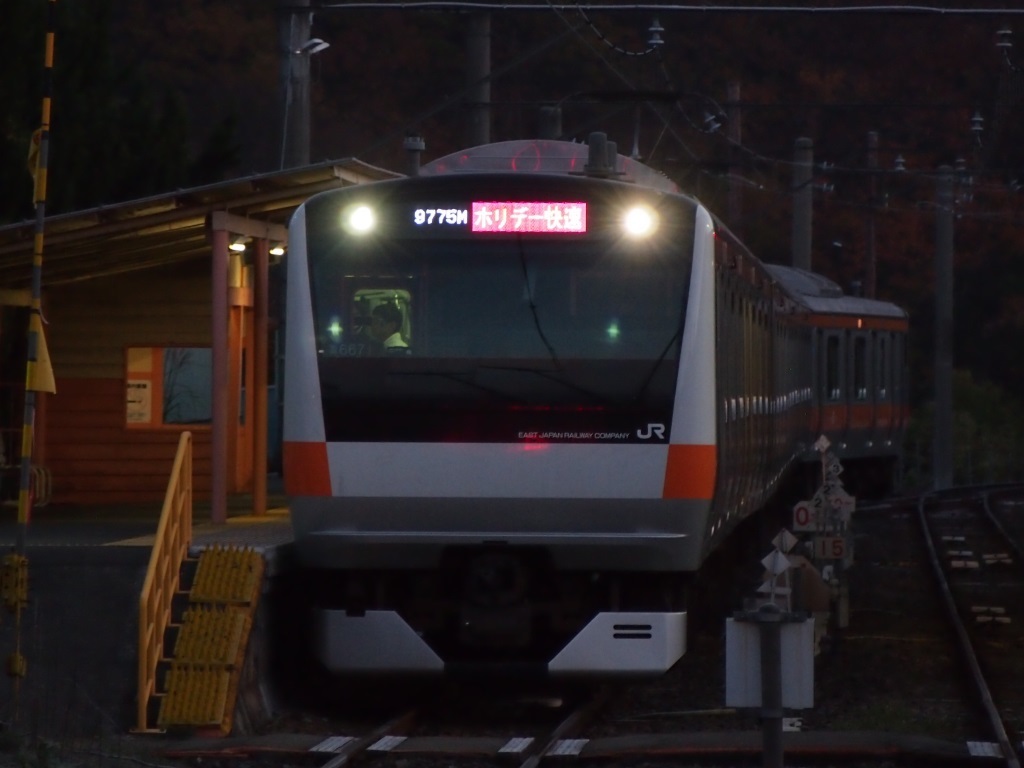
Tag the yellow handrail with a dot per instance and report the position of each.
(170, 547)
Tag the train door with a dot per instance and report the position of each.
(814, 421)
(729, 339)
(883, 385)
(862, 405)
(901, 413)
(834, 385)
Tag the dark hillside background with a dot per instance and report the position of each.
(151, 96)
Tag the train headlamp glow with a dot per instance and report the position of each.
(639, 221)
(359, 220)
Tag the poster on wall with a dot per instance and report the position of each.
(139, 401)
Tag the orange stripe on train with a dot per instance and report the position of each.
(690, 472)
(305, 469)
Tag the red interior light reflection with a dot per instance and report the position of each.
(545, 218)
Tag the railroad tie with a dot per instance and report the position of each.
(988, 614)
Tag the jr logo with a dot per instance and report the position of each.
(653, 430)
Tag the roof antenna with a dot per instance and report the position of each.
(602, 156)
(414, 145)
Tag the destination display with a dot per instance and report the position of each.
(507, 216)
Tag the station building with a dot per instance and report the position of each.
(154, 324)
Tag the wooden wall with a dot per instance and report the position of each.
(93, 457)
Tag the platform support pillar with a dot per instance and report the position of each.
(219, 393)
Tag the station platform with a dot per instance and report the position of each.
(136, 525)
(77, 635)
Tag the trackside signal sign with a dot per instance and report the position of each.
(805, 516)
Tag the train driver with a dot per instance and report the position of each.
(386, 328)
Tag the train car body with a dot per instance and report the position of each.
(588, 384)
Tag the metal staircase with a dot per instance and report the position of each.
(201, 683)
(195, 617)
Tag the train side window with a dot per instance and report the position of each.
(860, 368)
(833, 372)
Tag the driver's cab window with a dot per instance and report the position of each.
(367, 322)
(382, 319)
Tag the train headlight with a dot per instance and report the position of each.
(639, 221)
(359, 220)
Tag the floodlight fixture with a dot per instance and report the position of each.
(238, 243)
(311, 46)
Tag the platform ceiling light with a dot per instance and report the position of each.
(238, 244)
(277, 249)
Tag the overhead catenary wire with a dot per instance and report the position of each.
(709, 127)
(681, 7)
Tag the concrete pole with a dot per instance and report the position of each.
(478, 79)
(942, 445)
(803, 200)
(735, 142)
(550, 122)
(295, 21)
(870, 256)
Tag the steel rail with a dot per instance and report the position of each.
(576, 721)
(966, 647)
(357, 747)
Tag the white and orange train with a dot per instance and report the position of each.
(587, 385)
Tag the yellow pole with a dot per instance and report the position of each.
(16, 565)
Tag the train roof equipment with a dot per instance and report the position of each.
(599, 159)
(822, 295)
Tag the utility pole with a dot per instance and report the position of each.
(478, 79)
(803, 202)
(735, 134)
(870, 256)
(943, 442)
(296, 47)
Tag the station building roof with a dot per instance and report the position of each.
(163, 229)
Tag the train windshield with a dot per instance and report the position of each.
(568, 321)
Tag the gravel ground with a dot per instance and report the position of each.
(892, 668)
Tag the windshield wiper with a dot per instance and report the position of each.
(533, 306)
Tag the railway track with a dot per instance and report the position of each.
(974, 543)
(459, 726)
(890, 688)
